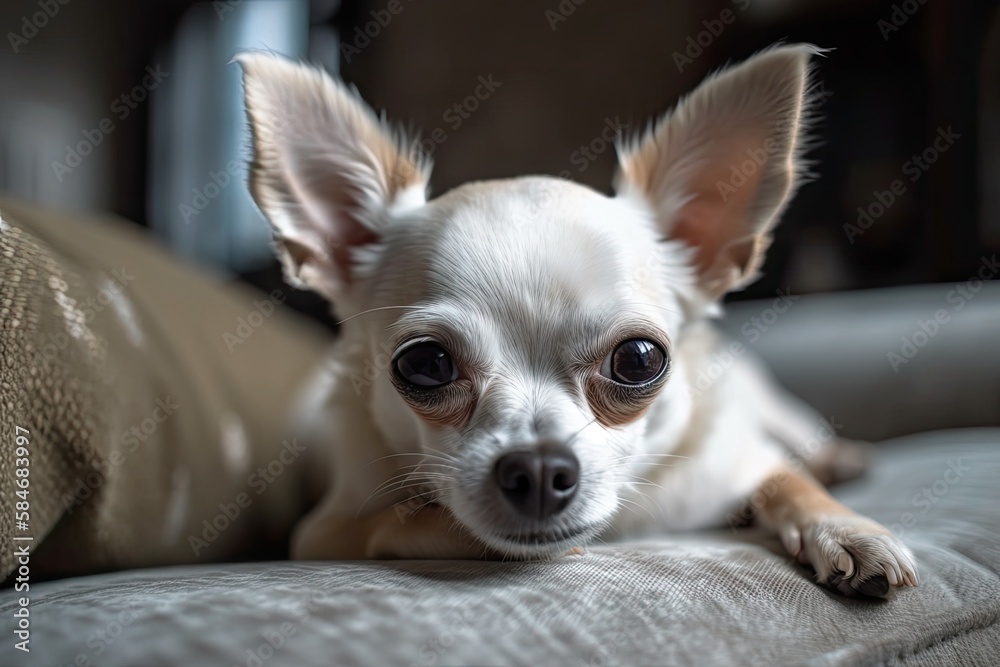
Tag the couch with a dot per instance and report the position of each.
(723, 597)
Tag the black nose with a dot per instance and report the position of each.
(538, 482)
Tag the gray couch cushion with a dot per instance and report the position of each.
(713, 598)
(833, 351)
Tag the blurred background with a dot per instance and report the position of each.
(134, 108)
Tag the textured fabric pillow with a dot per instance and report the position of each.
(143, 414)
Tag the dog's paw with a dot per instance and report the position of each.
(852, 554)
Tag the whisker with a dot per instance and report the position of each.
(401, 485)
(575, 435)
(632, 509)
(647, 497)
(372, 310)
(442, 455)
(418, 495)
(430, 467)
(407, 479)
(642, 481)
(390, 456)
(621, 466)
(643, 456)
(417, 509)
(400, 478)
(650, 305)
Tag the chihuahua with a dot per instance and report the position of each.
(517, 357)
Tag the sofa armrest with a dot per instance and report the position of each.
(884, 363)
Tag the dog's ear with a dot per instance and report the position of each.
(325, 169)
(719, 168)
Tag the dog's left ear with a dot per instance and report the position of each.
(719, 169)
(326, 170)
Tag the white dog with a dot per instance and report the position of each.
(543, 337)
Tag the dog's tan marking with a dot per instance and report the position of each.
(794, 494)
(849, 552)
(430, 532)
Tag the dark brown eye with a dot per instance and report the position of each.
(635, 362)
(426, 365)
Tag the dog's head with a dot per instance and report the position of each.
(531, 322)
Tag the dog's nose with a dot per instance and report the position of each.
(538, 482)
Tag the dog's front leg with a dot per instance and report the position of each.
(849, 552)
(430, 532)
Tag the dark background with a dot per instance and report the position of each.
(899, 73)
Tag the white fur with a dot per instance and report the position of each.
(522, 281)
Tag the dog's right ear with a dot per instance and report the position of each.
(325, 169)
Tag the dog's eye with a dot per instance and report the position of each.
(426, 365)
(635, 361)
